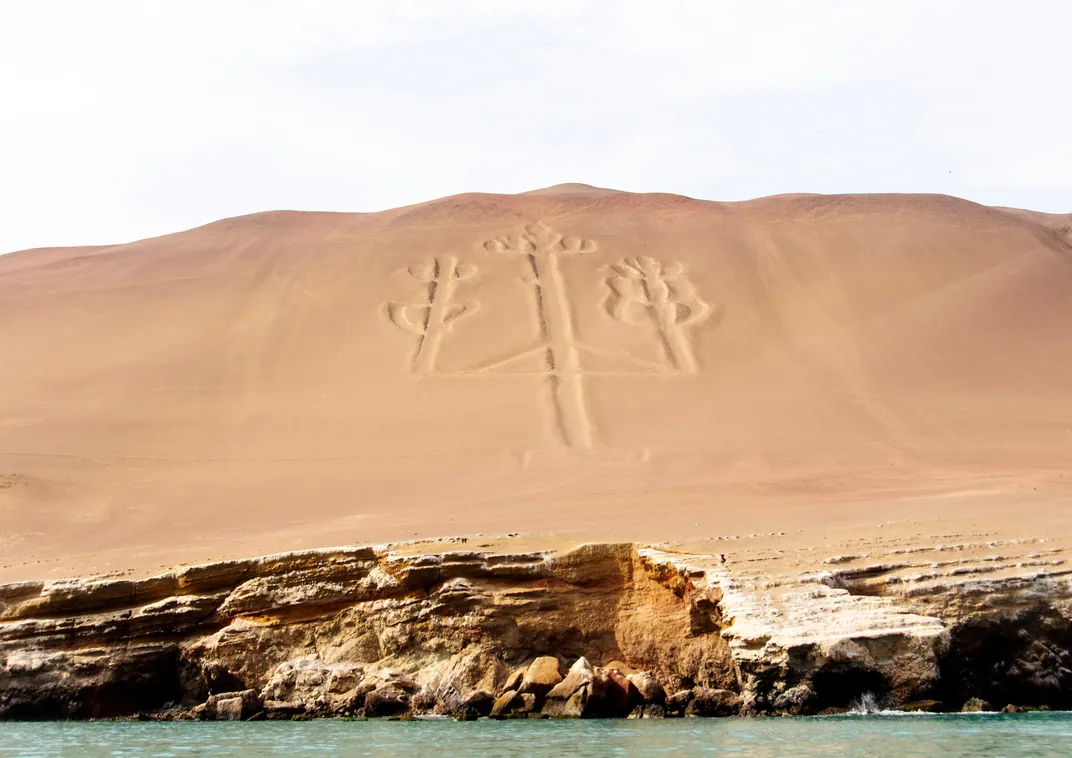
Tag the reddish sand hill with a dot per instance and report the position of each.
(571, 361)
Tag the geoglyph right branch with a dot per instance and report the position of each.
(649, 292)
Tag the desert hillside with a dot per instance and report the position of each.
(571, 362)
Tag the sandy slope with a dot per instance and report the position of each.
(670, 369)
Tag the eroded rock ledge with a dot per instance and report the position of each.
(603, 630)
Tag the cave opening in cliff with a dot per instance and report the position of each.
(1023, 658)
(840, 687)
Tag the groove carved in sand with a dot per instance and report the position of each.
(435, 314)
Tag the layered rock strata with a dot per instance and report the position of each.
(603, 630)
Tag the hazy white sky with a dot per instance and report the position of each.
(120, 120)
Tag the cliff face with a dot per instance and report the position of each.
(372, 630)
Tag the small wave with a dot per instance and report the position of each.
(866, 704)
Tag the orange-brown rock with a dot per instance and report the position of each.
(542, 675)
(579, 674)
(622, 695)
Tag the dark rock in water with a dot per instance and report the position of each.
(832, 711)
(588, 692)
(713, 703)
(476, 705)
(653, 711)
(622, 695)
(597, 705)
(678, 702)
(796, 701)
(503, 703)
(513, 704)
(387, 701)
(1010, 708)
(556, 708)
(423, 702)
(648, 687)
(575, 707)
(229, 709)
(527, 705)
(975, 705)
(924, 706)
(754, 705)
(229, 706)
(278, 709)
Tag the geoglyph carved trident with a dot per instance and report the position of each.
(643, 292)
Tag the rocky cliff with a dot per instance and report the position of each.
(601, 630)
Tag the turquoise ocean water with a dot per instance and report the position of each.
(1034, 734)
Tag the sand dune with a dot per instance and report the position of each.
(569, 361)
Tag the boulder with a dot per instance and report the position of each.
(572, 707)
(396, 680)
(513, 682)
(621, 667)
(1010, 708)
(678, 702)
(239, 705)
(622, 695)
(597, 695)
(649, 687)
(753, 705)
(503, 703)
(387, 701)
(976, 705)
(229, 709)
(924, 706)
(580, 674)
(513, 704)
(526, 707)
(795, 701)
(713, 703)
(591, 700)
(354, 701)
(428, 699)
(542, 675)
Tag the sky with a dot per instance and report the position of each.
(123, 120)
